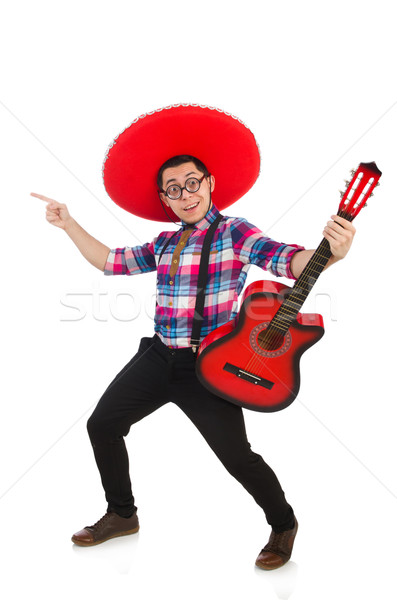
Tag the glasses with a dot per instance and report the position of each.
(173, 192)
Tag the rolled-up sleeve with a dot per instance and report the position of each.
(131, 260)
(252, 246)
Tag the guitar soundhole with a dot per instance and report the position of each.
(275, 342)
(265, 345)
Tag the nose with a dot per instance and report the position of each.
(185, 194)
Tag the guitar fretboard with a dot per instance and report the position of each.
(292, 304)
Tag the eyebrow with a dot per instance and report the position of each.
(173, 179)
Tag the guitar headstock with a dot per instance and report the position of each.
(358, 190)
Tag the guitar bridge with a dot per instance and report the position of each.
(266, 383)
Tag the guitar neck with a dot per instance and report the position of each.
(358, 190)
(292, 304)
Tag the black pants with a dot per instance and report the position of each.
(157, 375)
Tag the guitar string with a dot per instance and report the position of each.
(270, 339)
(274, 336)
(256, 361)
(256, 364)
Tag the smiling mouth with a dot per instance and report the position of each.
(191, 207)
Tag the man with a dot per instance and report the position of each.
(163, 370)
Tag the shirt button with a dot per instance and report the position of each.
(182, 243)
(171, 282)
(169, 303)
(175, 261)
(167, 326)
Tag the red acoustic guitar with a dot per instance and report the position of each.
(253, 360)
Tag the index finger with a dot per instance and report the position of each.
(342, 221)
(42, 197)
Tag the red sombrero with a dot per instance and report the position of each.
(222, 142)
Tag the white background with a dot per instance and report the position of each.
(316, 83)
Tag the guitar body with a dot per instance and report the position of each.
(232, 362)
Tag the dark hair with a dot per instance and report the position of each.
(176, 161)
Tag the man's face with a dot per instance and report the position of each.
(191, 207)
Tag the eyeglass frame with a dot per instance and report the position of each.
(184, 187)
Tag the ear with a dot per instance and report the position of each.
(212, 182)
(163, 199)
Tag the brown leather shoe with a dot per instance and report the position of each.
(278, 549)
(110, 526)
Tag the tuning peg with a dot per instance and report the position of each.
(353, 172)
(347, 183)
(377, 184)
(341, 193)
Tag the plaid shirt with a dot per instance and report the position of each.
(236, 245)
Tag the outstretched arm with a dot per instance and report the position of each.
(339, 232)
(57, 214)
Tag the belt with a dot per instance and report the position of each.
(181, 352)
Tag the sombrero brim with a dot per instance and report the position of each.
(222, 142)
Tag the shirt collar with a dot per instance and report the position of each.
(205, 221)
